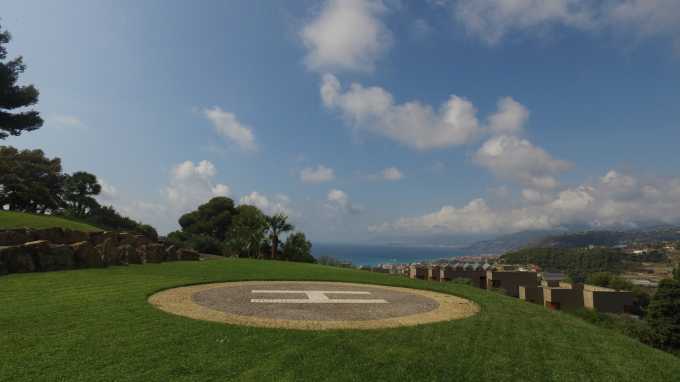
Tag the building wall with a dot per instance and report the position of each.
(434, 273)
(563, 298)
(510, 281)
(533, 294)
(417, 272)
(607, 300)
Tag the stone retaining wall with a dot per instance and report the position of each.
(54, 249)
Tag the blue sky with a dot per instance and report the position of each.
(365, 120)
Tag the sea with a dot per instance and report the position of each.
(370, 255)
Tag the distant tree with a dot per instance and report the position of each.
(106, 217)
(147, 231)
(676, 273)
(663, 314)
(29, 181)
(247, 231)
(608, 280)
(211, 219)
(297, 248)
(13, 96)
(79, 189)
(276, 225)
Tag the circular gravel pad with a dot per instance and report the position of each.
(312, 305)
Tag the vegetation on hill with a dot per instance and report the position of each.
(610, 238)
(578, 263)
(220, 227)
(11, 220)
(33, 183)
(96, 324)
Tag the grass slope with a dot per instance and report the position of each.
(96, 324)
(9, 220)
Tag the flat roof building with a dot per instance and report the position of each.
(476, 275)
(565, 296)
(510, 280)
(533, 294)
(607, 300)
(434, 272)
(417, 271)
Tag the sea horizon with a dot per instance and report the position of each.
(373, 254)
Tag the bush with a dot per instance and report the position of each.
(626, 325)
(297, 248)
(199, 243)
(664, 315)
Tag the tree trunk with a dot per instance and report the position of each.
(275, 245)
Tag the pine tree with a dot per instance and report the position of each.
(13, 96)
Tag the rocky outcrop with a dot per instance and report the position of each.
(17, 259)
(53, 249)
(15, 237)
(137, 255)
(56, 257)
(154, 253)
(86, 256)
(171, 253)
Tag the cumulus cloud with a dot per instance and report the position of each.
(513, 158)
(317, 175)
(413, 123)
(614, 200)
(108, 194)
(279, 204)
(193, 184)
(392, 173)
(338, 201)
(493, 20)
(346, 35)
(228, 126)
(509, 118)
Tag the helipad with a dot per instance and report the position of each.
(312, 305)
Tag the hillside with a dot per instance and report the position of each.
(9, 220)
(610, 238)
(96, 324)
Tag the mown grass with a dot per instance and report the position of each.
(96, 325)
(10, 220)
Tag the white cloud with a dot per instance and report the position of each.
(108, 193)
(275, 205)
(518, 159)
(346, 35)
(65, 121)
(191, 185)
(510, 117)
(413, 124)
(392, 173)
(597, 205)
(647, 18)
(339, 201)
(493, 20)
(317, 175)
(227, 125)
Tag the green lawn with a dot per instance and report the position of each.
(9, 220)
(96, 325)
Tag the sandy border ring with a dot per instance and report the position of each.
(179, 301)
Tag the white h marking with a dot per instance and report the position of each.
(315, 297)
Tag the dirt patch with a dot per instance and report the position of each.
(312, 305)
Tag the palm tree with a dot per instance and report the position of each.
(277, 224)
